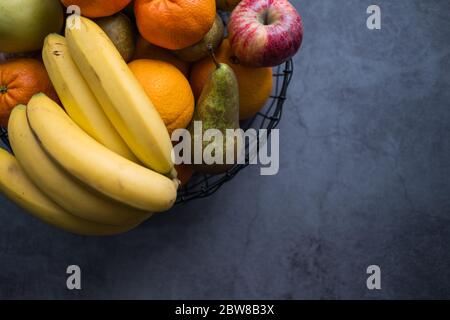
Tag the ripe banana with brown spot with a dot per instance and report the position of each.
(77, 98)
(122, 97)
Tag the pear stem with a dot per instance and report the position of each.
(213, 56)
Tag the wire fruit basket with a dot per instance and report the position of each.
(204, 185)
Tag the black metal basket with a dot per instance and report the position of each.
(4, 137)
(203, 185)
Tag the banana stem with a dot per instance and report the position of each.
(173, 174)
(213, 56)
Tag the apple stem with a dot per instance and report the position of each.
(265, 18)
(213, 56)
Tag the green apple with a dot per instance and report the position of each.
(24, 24)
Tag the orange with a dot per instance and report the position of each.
(146, 50)
(20, 79)
(98, 8)
(174, 24)
(168, 89)
(255, 84)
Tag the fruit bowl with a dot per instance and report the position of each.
(204, 185)
(238, 63)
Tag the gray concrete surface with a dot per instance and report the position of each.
(364, 179)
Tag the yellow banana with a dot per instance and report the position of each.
(58, 185)
(18, 187)
(122, 97)
(94, 164)
(77, 98)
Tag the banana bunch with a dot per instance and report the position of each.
(100, 166)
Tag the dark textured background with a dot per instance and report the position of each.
(364, 179)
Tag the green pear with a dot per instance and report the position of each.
(119, 29)
(217, 108)
(200, 50)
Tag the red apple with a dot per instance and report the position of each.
(265, 33)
